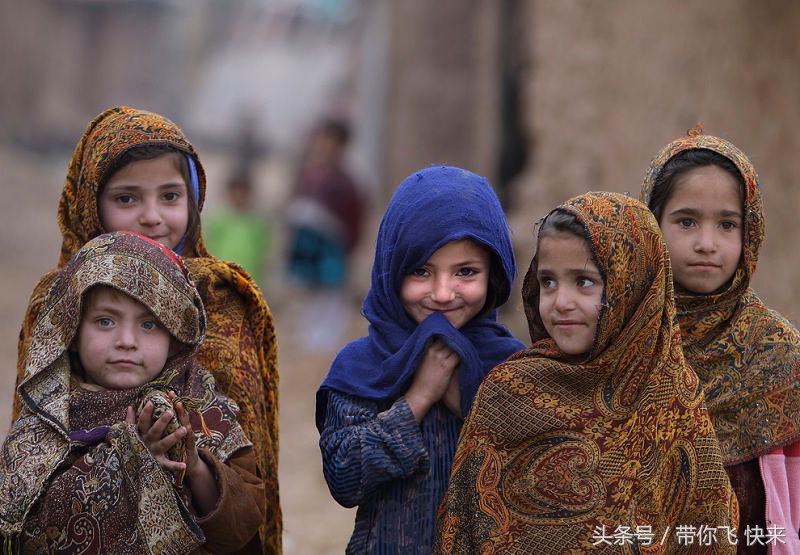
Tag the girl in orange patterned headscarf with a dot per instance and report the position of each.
(135, 170)
(705, 194)
(596, 438)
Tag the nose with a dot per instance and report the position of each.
(564, 299)
(126, 337)
(150, 214)
(706, 240)
(443, 290)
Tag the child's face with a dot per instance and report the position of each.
(702, 225)
(453, 281)
(147, 196)
(120, 343)
(571, 291)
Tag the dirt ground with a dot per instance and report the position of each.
(29, 240)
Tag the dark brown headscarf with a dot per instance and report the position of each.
(240, 348)
(104, 491)
(559, 451)
(746, 355)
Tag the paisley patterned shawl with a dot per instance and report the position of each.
(746, 355)
(240, 348)
(557, 447)
(109, 494)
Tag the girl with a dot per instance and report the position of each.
(595, 439)
(135, 170)
(390, 410)
(705, 194)
(78, 472)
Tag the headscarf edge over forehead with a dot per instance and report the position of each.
(429, 209)
(132, 264)
(107, 137)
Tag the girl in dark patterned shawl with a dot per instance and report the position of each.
(390, 410)
(78, 472)
(240, 349)
(705, 194)
(596, 438)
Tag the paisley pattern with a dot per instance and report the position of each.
(746, 355)
(240, 347)
(74, 476)
(557, 448)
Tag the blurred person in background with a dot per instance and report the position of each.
(325, 219)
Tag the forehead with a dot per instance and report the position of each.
(153, 171)
(562, 249)
(461, 250)
(103, 294)
(707, 185)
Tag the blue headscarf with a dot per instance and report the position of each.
(431, 208)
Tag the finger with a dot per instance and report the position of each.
(183, 414)
(130, 415)
(145, 420)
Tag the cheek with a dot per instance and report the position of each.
(409, 292)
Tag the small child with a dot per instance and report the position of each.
(390, 410)
(239, 232)
(80, 471)
(135, 170)
(705, 194)
(595, 439)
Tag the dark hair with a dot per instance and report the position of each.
(564, 222)
(149, 152)
(498, 287)
(681, 163)
(339, 129)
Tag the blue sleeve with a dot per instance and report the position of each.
(363, 449)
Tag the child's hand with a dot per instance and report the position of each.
(152, 435)
(431, 378)
(452, 396)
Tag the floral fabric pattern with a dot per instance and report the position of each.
(561, 451)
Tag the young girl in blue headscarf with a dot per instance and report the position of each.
(391, 408)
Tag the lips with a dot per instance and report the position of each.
(703, 265)
(124, 362)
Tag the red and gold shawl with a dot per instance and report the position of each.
(746, 355)
(574, 455)
(74, 476)
(240, 348)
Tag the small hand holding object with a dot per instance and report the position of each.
(162, 433)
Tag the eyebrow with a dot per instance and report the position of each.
(131, 187)
(691, 212)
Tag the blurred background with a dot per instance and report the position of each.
(546, 98)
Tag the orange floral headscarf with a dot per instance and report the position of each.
(560, 452)
(107, 137)
(746, 355)
(240, 348)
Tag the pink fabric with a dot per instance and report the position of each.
(780, 470)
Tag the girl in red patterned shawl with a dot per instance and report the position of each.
(596, 438)
(705, 194)
(104, 457)
(135, 170)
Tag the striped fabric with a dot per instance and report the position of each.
(396, 471)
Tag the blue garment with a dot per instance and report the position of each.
(430, 208)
